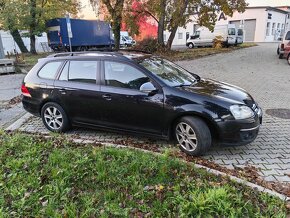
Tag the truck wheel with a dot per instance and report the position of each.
(281, 56)
(190, 45)
(193, 135)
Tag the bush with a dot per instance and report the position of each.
(148, 44)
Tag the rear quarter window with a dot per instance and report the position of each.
(49, 70)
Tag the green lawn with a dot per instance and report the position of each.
(56, 178)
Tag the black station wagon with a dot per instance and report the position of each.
(135, 92)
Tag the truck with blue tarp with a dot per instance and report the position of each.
(86, 34)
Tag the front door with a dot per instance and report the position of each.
(124, 105)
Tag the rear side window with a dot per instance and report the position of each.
(80, 71)
(49, 70)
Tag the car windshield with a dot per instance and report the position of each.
(168, 72)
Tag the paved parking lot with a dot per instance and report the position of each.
(267, 78)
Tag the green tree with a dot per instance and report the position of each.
(32, 15)
(9, 22)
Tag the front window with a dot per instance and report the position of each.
(124, 76)
(170, 73)
(232, 31)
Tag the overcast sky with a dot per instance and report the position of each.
(88, 13)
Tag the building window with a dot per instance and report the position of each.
(273, 28)
(180, 35)
(268, 29)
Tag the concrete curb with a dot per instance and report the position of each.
(18, 123)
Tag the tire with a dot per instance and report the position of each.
(190, 45)
(288, 59)
(54, 117)
(281, 56)
(278, 51)
(195, 128)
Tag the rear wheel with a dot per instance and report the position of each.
(193, 135)
(281, 56)
(190, 45)
(54, 117)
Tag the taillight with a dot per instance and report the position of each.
(25, 91)
(282, 46)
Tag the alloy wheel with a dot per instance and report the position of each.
(186, 136)
(53, 118)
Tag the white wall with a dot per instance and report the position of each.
(9, 44)
(259, 14)
(275, 33)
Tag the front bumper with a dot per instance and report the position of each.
(240, 132)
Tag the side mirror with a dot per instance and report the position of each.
(148, 88)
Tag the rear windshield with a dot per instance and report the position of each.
(287, 37)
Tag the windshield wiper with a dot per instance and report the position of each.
(183, 85)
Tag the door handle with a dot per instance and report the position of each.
(107, 97)
(62, 91)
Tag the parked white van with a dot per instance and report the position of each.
(204, 37)
(126, 40)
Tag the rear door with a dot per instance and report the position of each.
(124, 105)
(77, 90)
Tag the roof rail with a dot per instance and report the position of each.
(98, 51)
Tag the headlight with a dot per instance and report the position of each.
(241, 112)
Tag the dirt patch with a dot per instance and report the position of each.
(12, 102)
(279, 113)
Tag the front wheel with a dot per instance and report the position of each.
(190, 45)
(54, 117)
(193, 135)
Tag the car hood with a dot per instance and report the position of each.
(223, 91)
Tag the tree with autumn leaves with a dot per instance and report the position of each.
(169, 14)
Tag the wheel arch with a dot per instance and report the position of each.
(47, 100)
(209, 122)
